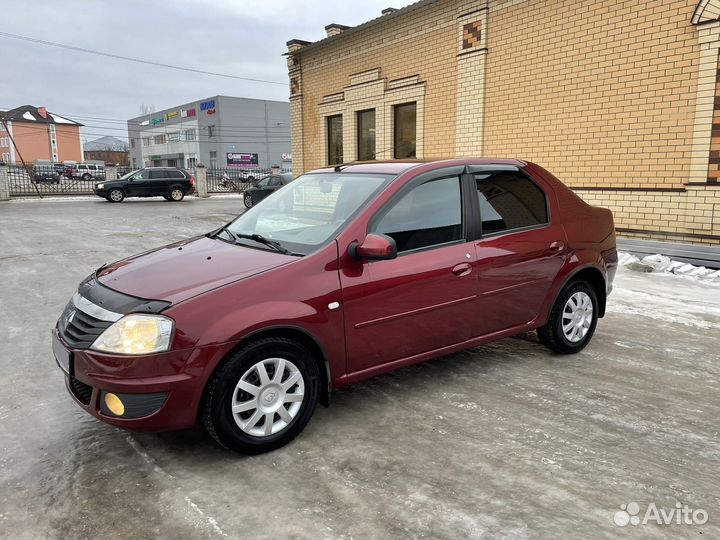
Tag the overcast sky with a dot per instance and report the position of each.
(237, 37)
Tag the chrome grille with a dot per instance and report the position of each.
(78, 328)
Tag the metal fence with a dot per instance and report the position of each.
(47, 180)
(233, 179)
(55, 179)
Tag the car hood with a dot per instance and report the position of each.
(185, 269)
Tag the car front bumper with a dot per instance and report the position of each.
(100, 192)
(159, 392)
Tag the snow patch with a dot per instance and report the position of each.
(60, 119)
(28, 116)
(662, 264)
(209, 519)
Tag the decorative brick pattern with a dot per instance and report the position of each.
(294, 86)
(472, 34)
(714, 160)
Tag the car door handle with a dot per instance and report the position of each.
(462, 269)
(557, 247)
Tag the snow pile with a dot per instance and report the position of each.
(665, 265)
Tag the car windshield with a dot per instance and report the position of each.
(309, 211)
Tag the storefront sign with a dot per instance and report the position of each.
(186, 113)
(235, 159)
(286, 156)
(207, 105)
(156, 121)
(171, 115)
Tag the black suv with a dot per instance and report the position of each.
(168, 182)
(264, 187)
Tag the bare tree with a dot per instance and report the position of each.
(146, 109)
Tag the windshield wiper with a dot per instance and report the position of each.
(259, 238)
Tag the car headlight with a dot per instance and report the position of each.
(136, 334)
(100, 186)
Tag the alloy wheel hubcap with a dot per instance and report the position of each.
(577, 317)
(116, 196)
(267, 397)
(248, 200)
(176, 194)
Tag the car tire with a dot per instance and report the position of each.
(116, 195)
(176, 194)
(572, 320)
(248, 200)
(251, 413)
(86, 177)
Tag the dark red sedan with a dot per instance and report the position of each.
(343, 274)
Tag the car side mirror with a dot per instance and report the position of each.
(375, 247)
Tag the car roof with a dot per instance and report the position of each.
(400, 166)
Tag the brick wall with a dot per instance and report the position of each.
(423, 45)
(620, 99)
(600, 93)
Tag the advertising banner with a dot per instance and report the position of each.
(237, 159)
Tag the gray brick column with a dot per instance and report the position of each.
(4, 183)
(201, 180)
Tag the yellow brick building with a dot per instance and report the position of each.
(619, 98)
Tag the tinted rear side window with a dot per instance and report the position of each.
(508, 201)
(156, 175)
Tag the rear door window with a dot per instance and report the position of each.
(158, 175)
(509, 201)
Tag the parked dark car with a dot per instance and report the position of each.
(170, 183)
(264, 187)
(348, 272)
(44, 174)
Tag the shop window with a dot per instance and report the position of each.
(405, 129)
(366, 135)
(335, 139)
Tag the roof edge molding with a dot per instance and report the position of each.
(706, 11)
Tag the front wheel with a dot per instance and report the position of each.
(115, 195)
(572, 320)
(86, 177)
(247, 199)
(262, 397)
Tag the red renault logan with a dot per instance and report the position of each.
(343, 274)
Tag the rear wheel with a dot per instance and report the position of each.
(248, 200)
(176, 194)
(263, 397)
(572, 320)
(116, 195)
(86, 177)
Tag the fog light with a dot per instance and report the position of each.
(115, 404)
